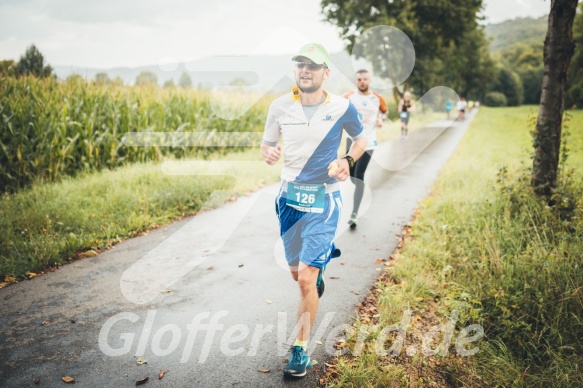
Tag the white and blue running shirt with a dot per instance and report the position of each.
(368, 106)
(309, 146)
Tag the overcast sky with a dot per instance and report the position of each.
(113, 33)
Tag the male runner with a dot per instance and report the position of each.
(310, 122)
(461, 107)
(448, 108)
(371, 109)
(405, 106)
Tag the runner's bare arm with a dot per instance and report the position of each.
(342, 172)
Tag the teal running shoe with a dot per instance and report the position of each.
(299, 362)
(321, 283)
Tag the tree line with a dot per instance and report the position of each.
(452, 48)
(33, 63)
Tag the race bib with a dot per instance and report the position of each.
(403, 115)
(306, 198)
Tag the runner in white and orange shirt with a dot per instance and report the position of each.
(372, 110)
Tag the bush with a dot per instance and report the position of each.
(495, 99)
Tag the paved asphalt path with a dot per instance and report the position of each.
(213, 327)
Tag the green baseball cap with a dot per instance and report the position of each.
(315, 52)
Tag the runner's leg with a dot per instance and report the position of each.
(360, 169)
(352, 169)
(308, 308)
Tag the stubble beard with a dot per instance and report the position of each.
(309, 89)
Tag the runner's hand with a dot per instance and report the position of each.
(342, 172)
(272, 154)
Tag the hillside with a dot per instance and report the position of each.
(264, 72)
(520, 30)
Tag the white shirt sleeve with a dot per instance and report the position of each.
(272, 130)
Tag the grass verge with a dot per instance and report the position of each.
(48, 224)
(482, 251)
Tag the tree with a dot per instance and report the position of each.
(558, 50)
(239, 81)
(510, 85)
(146, 78)
(168, 84)
(102, 78)
(526, 60)
(185, 81)
(117, 81)
(33, 63)
(444, 34)
(575, 89)
(7, 68)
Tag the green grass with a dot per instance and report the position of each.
(485, 246)
(49, 223)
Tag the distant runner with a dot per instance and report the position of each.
(405, 107)
(448, 108)
(371, 109)
(310, 122)
(461, 107)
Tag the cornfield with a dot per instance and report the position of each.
(50, 129)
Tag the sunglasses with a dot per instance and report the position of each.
(310, 65)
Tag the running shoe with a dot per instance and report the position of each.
(299, 361)
(352, 221)
(321, 283)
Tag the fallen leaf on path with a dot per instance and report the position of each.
(334, 277)
(211, 267)
(9, 279)
(378, 261)
(3, 284)
(279, 369)
(319, 342)
(142, 381)
(342, 262)
(264, 370)
(165, 291)
(240, 265)
(89, 253)
(162, 373)
(141, 361)
(68, 379)
(314, 362)
(268, 301)
(31, 275)
(45, 322)
(37, 380)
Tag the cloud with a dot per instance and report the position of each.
(130, 33)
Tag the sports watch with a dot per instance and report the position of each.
(350, 159)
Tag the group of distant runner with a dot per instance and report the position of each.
(310, 122)
(462, 105)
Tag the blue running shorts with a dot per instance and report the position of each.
(309, 237)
